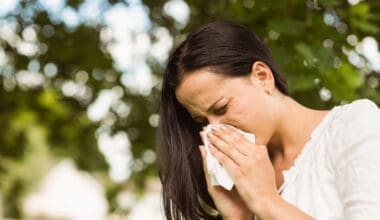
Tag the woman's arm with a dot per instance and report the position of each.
(356, 161)
(252, 171)
(277, 208)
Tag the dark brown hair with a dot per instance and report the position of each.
(227, 49)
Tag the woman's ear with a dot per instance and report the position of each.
(261, 73)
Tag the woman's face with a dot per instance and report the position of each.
(243, 102)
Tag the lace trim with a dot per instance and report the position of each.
(291, 173)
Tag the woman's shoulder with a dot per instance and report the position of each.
(354, 124)
(360, 106)
(352, 117)
(353, 131)
(355, 113)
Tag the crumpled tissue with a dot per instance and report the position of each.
(218, 174)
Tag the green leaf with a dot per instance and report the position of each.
(327, 3)
(306, 52)
(365, 26)
(286, 26)
(360, 10)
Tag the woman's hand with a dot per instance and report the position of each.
(228, 203)
(248, 164)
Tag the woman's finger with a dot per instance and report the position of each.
(202, 149)
(233, 138)
(226, 148)
(231, 166)
(203, 136)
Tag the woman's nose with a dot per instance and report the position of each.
(214, 120)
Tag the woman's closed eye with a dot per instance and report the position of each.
(222, 110)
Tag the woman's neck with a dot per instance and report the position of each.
(294, 128)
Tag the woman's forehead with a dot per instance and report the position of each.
(200, 88)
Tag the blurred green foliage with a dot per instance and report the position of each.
(40, 125)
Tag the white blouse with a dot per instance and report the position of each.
(337, 173)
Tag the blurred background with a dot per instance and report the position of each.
(80, 82)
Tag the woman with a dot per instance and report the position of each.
(306, 163)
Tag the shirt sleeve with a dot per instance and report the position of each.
(357, 161)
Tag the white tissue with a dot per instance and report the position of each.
(218, 174)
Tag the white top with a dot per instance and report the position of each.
(337, 173)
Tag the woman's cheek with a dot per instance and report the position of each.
(236, 118)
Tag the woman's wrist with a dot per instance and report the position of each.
(264, 207)
(275, 207)
(239, 216)
(246, 217)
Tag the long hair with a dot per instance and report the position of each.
(226, 48)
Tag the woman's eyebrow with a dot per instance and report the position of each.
(195, 116)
